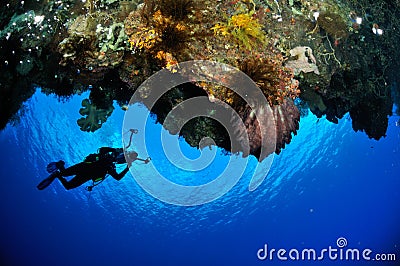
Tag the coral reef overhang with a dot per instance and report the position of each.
(343, 54)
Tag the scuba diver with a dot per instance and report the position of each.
(95, 167)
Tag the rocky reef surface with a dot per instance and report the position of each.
(328, 57)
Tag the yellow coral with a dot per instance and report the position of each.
(168, 60)
(159, 19)
(243, 27)
(220, 28)
(160, 55)
(144, 38)
(180, 27)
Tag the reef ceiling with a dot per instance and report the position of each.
(328, 57)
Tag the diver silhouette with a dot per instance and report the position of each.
(95, 167)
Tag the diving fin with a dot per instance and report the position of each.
(45, 183)
(54, 166)
(51, 167)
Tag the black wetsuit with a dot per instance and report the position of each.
(97, 169)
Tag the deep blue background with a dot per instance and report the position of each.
(330, 182)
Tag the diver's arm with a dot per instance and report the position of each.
(104, 150)
(146, 161)
(119, 176)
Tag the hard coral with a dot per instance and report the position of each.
(91, 49)
(371, 116)
(284, 113)
(286, 117)
(275, 81)
(156, 33)
(333, 24)
(173, 37)
(239, 41)
(177, 10)
(304, 61)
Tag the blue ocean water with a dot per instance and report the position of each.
(330, 182)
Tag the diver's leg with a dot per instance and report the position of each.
(73, 170)
(74, 182)
(60, 165)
